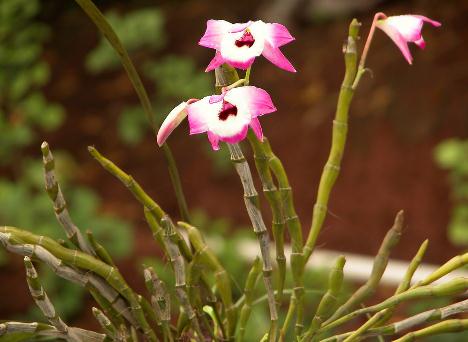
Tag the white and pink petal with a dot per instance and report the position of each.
(275, 56)
(173, 119)
(215, 31)
(200, 114)
(278, 35)
(254, 100)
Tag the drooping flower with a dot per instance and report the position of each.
(239, 44)
(404, 29)
(227, 117)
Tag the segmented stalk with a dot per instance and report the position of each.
(453, 287)
(85, 261)
(340, 129)
(140, 195)
(380, 264)
(328, 301)
(60, 205)
(101, 252)
(249, 288)
(178, 267)
(408, 323)
(103, 293)
(451, 265)
(448, 326)
(206, 257)
(160, 300)
(253, 209)
(273, 197)
(40, 297)
(106, 324)
(44, 330)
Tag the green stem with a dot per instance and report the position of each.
(448, 326)
(328, 301)
(252, 205)
(106, 29)
(450, 288)
(340, 128)
(206, 258)
(85, 261)
(273, 197)
(249, 288)
(380, 263)
(60, 205)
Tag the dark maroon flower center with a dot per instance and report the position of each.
(227, 110)
(246, 40)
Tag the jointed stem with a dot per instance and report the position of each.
(11, 236)
(253, 209)
(340, 128)
(60, 205)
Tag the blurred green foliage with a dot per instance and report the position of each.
(24, 111)
(452, 155)
(22, 105)
(174, 78)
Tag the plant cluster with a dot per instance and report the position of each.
(202, 305)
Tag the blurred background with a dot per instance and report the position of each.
(61, 82)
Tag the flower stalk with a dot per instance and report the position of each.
(339, 133)
(106, 29)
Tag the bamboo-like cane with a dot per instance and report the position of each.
(140, 195)
(328, 301)
(101, 252)
(448, 326)
(408, 323)
(178, 266)
(380, 263)
(106, 29)
(103, 293)
(47, 308)
(273, 196)
(253, 209)
(85, 261)
(453, 287)
(49, 331)
(207, 258)
(106, 325)
(382, 316)
(60, 205)
(251, 281)
(160, 300)
(451, 265)
(340, 128)
(41, 299)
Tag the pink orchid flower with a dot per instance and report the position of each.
(239, 44)
(404, 29)
(227, 117)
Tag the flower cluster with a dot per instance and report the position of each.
(227, 117)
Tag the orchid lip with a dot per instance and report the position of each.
(246, 40)
(227, 110)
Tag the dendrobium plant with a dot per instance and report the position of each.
(404, 29)
(206, 308)
(239, 44)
